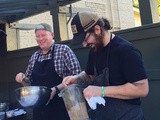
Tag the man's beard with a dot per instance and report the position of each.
(99, 42)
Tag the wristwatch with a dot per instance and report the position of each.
(57, 90)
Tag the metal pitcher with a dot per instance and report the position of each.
(75, 102)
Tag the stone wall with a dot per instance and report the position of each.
(114, 10)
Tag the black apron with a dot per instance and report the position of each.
(114, 109)
(44, 74)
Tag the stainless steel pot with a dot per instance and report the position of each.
(33, 96)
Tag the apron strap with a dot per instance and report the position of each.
(105, 74)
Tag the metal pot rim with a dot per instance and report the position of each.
(25, 87)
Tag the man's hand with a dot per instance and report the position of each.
(20, 77)
(92, 91)
(52, 93)
(69, 80)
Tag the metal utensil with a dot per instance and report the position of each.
(33, 96)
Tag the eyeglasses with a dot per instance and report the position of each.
(86, 38)
(86, 43)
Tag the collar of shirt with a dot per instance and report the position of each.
(49, 51)
(45, 56)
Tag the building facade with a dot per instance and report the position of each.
(118, 12)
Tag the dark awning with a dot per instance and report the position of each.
(14, 10)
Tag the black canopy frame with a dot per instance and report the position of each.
(14, 10)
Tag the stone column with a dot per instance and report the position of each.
(154, 11)
(148, 11)
(54, 11)
(145, 12)
(3, 45)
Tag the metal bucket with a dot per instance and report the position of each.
(75, 102)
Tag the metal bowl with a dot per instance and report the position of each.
(4, 107)
(33, 96)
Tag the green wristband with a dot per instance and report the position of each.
(103, 93)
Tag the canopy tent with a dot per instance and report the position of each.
(14, 10)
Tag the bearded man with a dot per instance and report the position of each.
(114, 70)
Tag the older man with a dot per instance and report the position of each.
(47, 67)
